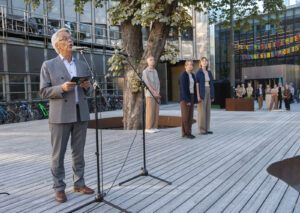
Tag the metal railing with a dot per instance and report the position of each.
(31, 24)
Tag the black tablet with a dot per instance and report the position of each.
(80, 79)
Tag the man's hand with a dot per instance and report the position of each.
(68, 86)
(199, 99)
(86, 85)
(212, 100)
(189, 104)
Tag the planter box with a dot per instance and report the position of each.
(241, 104)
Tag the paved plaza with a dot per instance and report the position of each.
(223, 172)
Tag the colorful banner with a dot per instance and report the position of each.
(270, 45)
(272, 54)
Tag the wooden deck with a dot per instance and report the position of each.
(223, 172)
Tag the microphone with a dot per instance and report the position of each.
(79, 48)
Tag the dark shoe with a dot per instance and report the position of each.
(209, 132)
(84, 190)
(60, 197)
(184, 136)
(190, 136)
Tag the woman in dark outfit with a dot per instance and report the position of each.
(188, 96)
(205, 95)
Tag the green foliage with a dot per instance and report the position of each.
(116, 65)
(220, 11)
(170, 53)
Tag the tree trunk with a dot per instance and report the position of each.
(133, 44)
(132, 102)
(231, 49)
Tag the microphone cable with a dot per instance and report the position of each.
(124, 163)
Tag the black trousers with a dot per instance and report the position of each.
(287, 104)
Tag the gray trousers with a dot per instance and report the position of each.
(60, 134)
(204, 112)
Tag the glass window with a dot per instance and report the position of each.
(87, 13)
(173, 34)
(54, 11)
(114, 32)
(1, 59)
(35, 83)
(18, 7)
(37, 12)
(187, 34)
(17, 87)
(101, 34)
(86, 32)
(16, 53)
(69, 10)
(98, 63)
(36, 58)
(72, 26)
(2, 88)
(53, 26)
(3, 3)
(100, 15)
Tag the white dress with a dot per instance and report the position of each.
(268, 98)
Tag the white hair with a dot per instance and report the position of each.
(55, 38)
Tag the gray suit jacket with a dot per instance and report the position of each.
(62, 104)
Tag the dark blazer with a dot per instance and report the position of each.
(200, 79)
(184, 84)
(257, 92)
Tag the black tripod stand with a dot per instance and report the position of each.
(144, 169)
(99, 198)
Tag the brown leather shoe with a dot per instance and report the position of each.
(60, 197)
(84, 190)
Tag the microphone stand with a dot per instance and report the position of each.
(99, 198)
(144, 169)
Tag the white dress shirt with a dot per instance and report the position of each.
(71, 67)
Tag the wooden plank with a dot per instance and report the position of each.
(195, 163)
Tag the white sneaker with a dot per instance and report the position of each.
(156, 130)
(149, 131)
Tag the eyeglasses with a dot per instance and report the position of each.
(66, 38)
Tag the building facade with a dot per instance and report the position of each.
(265, 53)
(25, 43)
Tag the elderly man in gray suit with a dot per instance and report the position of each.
(69, 113)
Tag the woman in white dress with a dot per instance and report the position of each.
(268, 96)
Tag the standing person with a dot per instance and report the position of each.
(268, 96)
(69, 112)
(292, 90)
(205, 95)
(238, 91)
(280, 91)
(188, 97)
(260, 96)
(287, 97)
(150, 77)
(243, 91)
(249, 90)
(274, 98)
